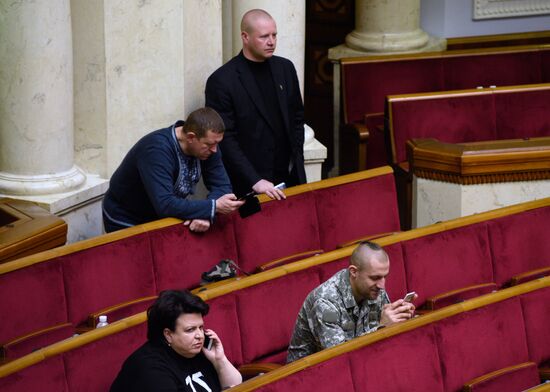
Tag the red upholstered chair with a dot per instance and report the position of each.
(106, 275)
(47, 375)
(35, 340)
(449, 118)
(481, 341)
(181, 256)
(492, 69)
(94, 366)
(536, 313)
(281, 229)
(329, 376)
(267, 314)
(516, 247)
(351, 211)
(32, 298)
(326, 270)
(405, 362)
(513, 378)
(448, 260)
(522, 114)
(222, 318)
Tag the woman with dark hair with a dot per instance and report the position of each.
(175, 357)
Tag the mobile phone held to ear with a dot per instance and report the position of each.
(207, 342)
(409, 297)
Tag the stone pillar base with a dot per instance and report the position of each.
(81, 208)
(435, 201)
(44, 184)
(387, 42)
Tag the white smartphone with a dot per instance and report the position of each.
(410, 296)
(280, 186)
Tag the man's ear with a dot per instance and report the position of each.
(244, 36)
(191, 136)
(352, 270)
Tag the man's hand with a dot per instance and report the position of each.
(264, 186)
(396, 312)
(228, 203)
(197, 225)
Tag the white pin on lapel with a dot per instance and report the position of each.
(281, 86)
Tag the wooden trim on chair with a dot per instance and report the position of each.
(250, 370)
(289, 259)
(529, 275)
(29, 336)
(468, 387)
(431, 303)
(366, 238)
(93, 318)
(544, 373)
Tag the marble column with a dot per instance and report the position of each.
(389, 26)
(382, 27)
(36, 99)
(290, 17)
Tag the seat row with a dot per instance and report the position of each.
(490, 343)
(255, 315)
(70, 283)
(366, 82)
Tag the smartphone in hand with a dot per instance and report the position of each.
(207, 342)
(409, 296)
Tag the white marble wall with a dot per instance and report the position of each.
(435, 201)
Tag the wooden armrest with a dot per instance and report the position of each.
(544, 372)
(289, 259)
(358, 130)
(459, 295)
(212, 285)
(120, 311)
(35, 340)
(366, 238)
(500, 376)
(250, 370)
(529, 275)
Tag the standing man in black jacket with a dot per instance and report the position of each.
(258, 97)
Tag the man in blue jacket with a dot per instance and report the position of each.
(161, 171)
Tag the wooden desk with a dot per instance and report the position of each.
(26, 228)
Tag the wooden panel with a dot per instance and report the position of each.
(27, 228)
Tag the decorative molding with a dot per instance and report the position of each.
(482, 178)
(492, 9)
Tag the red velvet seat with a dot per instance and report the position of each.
(519, 243)
(536, 312)
(48, 375)
(481, 341)
(448, 260)
(180, 256)
(32, 301)
(406, 362)
(281, 229)
(357, 209)
(108, 274)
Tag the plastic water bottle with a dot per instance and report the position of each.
(102, 321)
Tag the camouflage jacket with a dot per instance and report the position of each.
(330, 316)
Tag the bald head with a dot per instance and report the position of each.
(367, 251)
(250, 19)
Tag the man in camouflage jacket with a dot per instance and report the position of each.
(351, 303)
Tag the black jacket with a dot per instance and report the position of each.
(248, 145)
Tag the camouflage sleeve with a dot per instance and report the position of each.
(324, 324)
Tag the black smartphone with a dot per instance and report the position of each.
(249, 194)
(207, 342)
